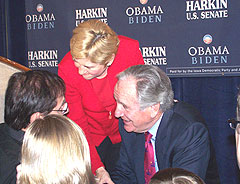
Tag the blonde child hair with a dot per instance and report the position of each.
(55, 151)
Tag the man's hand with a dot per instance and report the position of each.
(103, 176)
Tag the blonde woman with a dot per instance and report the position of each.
(97, 54)
(55, 151)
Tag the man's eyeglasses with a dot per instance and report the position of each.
(63, 109)
(233, 123)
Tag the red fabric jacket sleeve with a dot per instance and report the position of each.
(76, 113)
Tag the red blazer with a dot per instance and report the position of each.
(84, 106)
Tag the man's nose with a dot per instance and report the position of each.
(119, 111)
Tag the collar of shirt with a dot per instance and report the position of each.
(153, 131)
(15, 134)
(154, 128)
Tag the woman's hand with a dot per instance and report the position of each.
(103, 176)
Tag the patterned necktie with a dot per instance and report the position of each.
(149, 164)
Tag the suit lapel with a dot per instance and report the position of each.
(161, 136)
(135, 147)
(138, 148)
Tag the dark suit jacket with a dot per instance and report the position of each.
(10, 149)
(182, 141)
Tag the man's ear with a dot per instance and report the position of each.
(36, 115)
(111, 60)
(33, 117)
(155, 109)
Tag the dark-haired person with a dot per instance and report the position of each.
(97, 54)
(30, 95)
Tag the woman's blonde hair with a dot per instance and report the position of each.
(55, 151)
(94, 40)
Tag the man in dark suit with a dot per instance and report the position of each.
(180, 139)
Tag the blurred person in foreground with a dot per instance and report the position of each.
(175, 176)
(55, 150)
(237, 132)
(30, 95)
(97, 54)
(235, 124)
(156, 132)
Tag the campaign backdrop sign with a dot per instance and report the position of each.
(185, 38)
